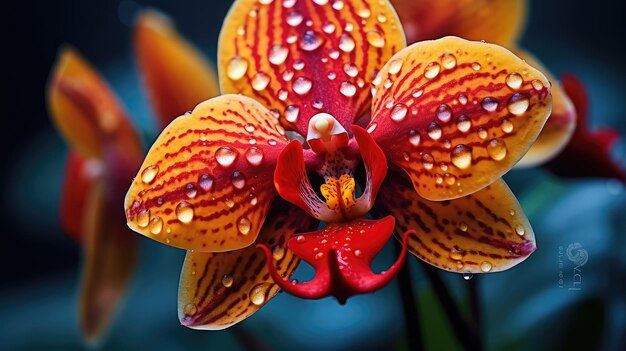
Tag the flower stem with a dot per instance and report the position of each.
(465, 333)
(412, 328)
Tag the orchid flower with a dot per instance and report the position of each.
(335, 118)
(105, 150)
(565, 135)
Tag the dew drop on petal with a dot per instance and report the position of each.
(205, 182)
(184, 212)
(227, 280)
(291, 113)
(507, 126)
(489, 104)
(294, 18)
(346, 43)
(537, 84)
(444, 113)
(482, 133)
(244, 225)
(476, 66)
(434, 131)
(191, 191)
(375, 39)
(238, 180)
(257, 293)
(463, 123)
(518, 104)
(260, 81)
(414, 137)
(428, 161)
(278, 252)
(496, 149)
(190, 309)
(519, 229)
(462, 99)
(302, 85)
(225, 156)
(236, 68)
(143, 218)
(328, 27)
(399, 112)
(149, 173)
(432, 70)
(485, 266)
(395, 66)
(310, 41)
(156, 225)
(347, 89)
(514, 80)
(448, 61)
(461, 156)
(456, 254)
(351, 70)
(463, 226)
(278, 54)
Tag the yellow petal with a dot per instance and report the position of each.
(456, 114)
(176, 75)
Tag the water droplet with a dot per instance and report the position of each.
(205, 182)
(190, 309)
(485, 266)
(298, 64)
(537, 84)
(414, 137)
(191, 191)
(288, 3)
(463, 124)
(149, 173)
(260, 81)
(434, 131)
(428, 161)
(456, 254)
(227, 280)
(375, 39)
(372, 128)
(225, 156)
(399, 112)
(328, 27)
(518, 104)
(347, 89)
(238, 180)
(444, 113)
(448, 61)
(338, 5)
(287, 75)
(438, 179)
(432, 70)
(278, 54)
(417, 93)
(461, 156)
(463, 226)
(321, 2)
(249, 128)
(496, 149)
(357, 253)
(257, 294)
(507, 126)
(229, 203)
(278, 252)
(294, 18)
(462, 99)
(514, 80)
(351, 70)
(156, 225)
(467, 276)
(184, 212)
(476, 66)
(317, 104)
(143, 218)
(482, 133)
(254, 156)
(381, 18)
(236, 68)
(291, 113)
(319, 256)
(489, 104)
(519, 229)
(346, 43)
(300, 238)
(332, 75)
(310, 41)
(302, 85)
(364, 13)
(244, 225)
(283, 94)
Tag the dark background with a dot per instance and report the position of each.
(583, 37)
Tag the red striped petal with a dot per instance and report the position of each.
(303, 57)
(341, 255)
(496, 21)
(84, 108)
(206, 184)
(456, 115)
(176, 75)
(218, 290)
(486, 231)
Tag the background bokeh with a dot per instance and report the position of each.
(525, 308)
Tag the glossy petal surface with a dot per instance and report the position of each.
(588, 153)
(176, 75)
(496, 21)
(341, 254)
(558, 130)
(206, 183)
(483, 232)
(84, 108)
(111, 249)
(81, 175)
(456, 114)
(303, 57)
(218, 290)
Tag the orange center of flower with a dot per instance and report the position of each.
(339, 193)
